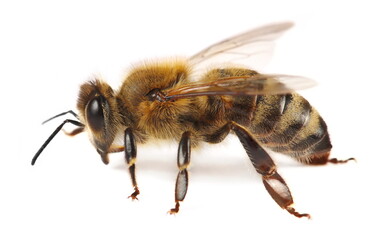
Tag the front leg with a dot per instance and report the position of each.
(184, 151)
(130, 155)
(265, 166)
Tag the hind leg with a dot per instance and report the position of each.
(264, 165)
(322, 159)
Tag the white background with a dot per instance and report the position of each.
(48, 49)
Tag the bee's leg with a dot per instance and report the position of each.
(321, 159)
(184, 151)
(265, 166)
(336, 161)
(130, 155)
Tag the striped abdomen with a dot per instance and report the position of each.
(288, 124)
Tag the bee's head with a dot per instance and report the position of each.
(99, 112)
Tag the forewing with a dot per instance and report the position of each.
(261, 84)
(251, 48)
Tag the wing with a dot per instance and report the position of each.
(261, 84)
(246, 48)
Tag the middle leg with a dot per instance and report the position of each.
(184, 152)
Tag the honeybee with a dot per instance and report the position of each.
(168, 100)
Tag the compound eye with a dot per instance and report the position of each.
(95, 115)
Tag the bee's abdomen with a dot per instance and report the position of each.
(289, 124)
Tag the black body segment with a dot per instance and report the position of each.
(288, 124)
(284, 123)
